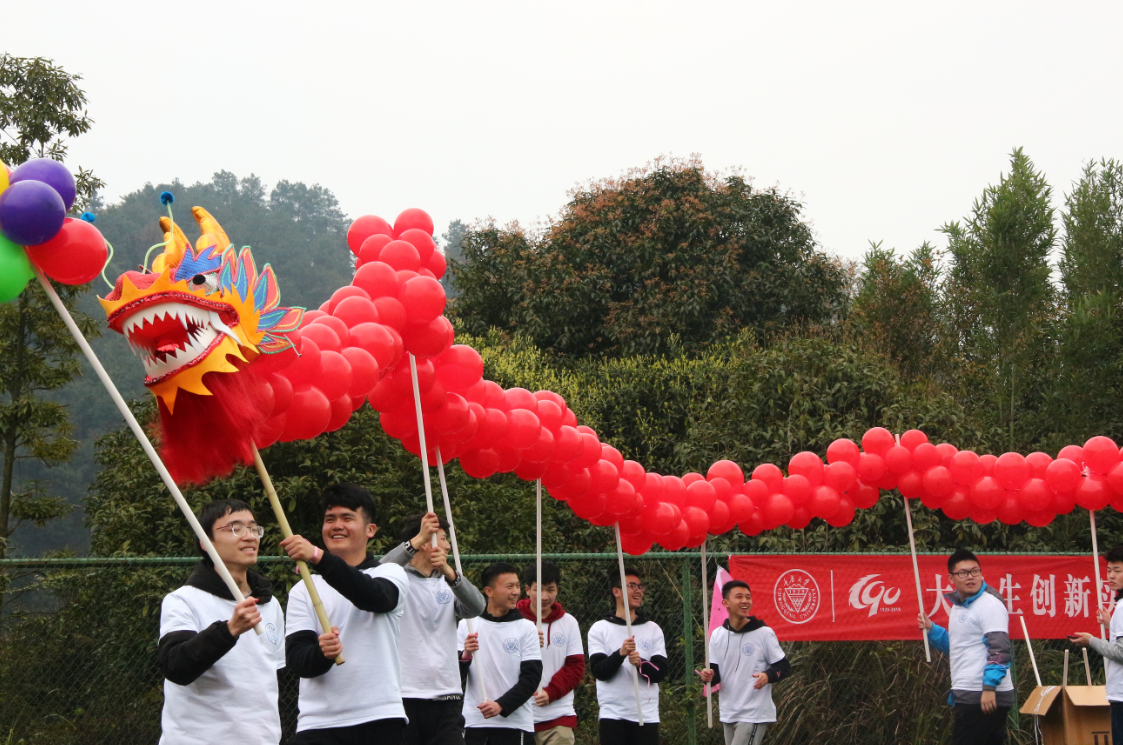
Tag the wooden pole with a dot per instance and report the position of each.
(1087, 667)
(286, 530)
(1029, 646)
(706, 633)
(452, 540)
(627, 617)
(1096, 562)
(1064, 677)
(421, 436)
(142, 438)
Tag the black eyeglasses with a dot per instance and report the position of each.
(634, 586)
(965, 573)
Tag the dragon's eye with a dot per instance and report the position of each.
(208, 282)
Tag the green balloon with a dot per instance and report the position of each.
(15, 270)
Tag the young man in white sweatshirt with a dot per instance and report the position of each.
(745, 661)
(563, 658)
(431, 690)
(359, 701)
(615, 658)
(502, 663)
(219, 675)
(1112, 647)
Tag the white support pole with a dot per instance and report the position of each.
(1087, 667)
(706, 633)
(1029, 646)
(916, 575)
(455, 548)
(1096, 562)
(1064, 678)
(627, 617)
(421, 436)
(142, 438)
(538, 560)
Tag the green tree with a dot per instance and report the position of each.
(40, 105)
(999, 293)
(453, 240)
(669, 250)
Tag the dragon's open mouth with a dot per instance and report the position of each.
(171, 336)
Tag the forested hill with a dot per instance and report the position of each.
(299, 229)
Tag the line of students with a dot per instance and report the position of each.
(413, 674)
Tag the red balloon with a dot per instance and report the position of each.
(452, 417)
(843, 451)
(549, 414)
(354, 311)
(721, 519)
(1035, 496)
(403, 377)
(1075, 453)
(364, 371)
(925, 456)
(871, 468)
(509, 458)
(986, 494)
(75, 256)
(422, 241)
(677, 538)
(770, 475)
(304, 369)
(372, 248)
(938, 482)
(590, 451)
(635, 545)
(757, 491)
(567, 445)
(605, 476)
(728, 470)
(1009, 511)
(541, 450)
(798, 489)
(377, 279)
(282, 393)
(1011, 471)
(437, 264)
(690, 478)
(308, 415)
(840, 476)
(777, 511)
(1115, 480)
(423, 298)
(697, 521)
(701, 494)
(754, 525)
(634, 474)
(844, 515)
(878, 441)
(523, 429)
(400, 422)
(612, 455)
(391, 312)
(1063, 503)
(413, 218)
(365, 227)
(865, 496)
(336, 325)
(340, 413)
(1038, 464)
(966, 467)
(824, 501)
(1101, 454)
(801, 518)
(674, 491)
(429, 340)
(740, 507)
(1063, 476)
(324, 336)
(911, 485)
(1039, 519)
(898, 459)
(459, 367)
(1093, 493)
(621, 500)
(808, 465)
(528, 471)
(401, 256)
(957, 506)
(378, 340)
(913, 439)
(946, 452)
(589, 506)
(345, 292)
(479, 464)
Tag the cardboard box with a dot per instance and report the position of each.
(1071, 715)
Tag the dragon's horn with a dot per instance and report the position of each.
(175, 243)
(213, 234)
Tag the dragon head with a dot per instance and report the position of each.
(198, 311)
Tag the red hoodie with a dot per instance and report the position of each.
(565, 679)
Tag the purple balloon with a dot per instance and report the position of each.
(50, 172)
(31, 213)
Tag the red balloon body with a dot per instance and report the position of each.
(75, 256)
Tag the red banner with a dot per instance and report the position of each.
(873, 597)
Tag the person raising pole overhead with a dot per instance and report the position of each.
(609, 647)
(431, 692)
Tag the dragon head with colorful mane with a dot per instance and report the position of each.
(200, 321)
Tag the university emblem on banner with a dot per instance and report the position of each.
(796, 596)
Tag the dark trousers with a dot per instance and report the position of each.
(1116, 722)
(378, 732)
(623, 732)
(433, 722)
(497, 736)
(973, 727)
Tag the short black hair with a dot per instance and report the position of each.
(212, 512)
(550, 574)
(732, 585)
(351, 496)
(960, 555)
(1115, 555)
(614, 576)
(411, 526)
(492, 571)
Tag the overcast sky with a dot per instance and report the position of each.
(886, 119)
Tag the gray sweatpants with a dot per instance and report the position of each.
(744, 733)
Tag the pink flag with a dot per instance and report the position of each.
(718, 613)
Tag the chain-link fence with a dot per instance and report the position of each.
(78, 657)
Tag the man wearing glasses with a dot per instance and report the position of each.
(646, 654)
(220, 681)
(978, 642)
